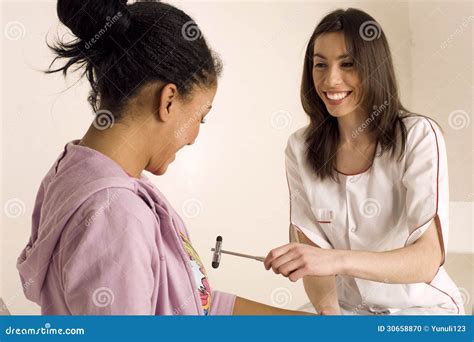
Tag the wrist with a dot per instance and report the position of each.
(342, 262)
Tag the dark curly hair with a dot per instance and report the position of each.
(123, 47)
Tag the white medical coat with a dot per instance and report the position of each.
(388, 206)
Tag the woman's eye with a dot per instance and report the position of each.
(319, 65)
(347, 65)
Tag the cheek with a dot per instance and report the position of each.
(316, 82)
(316, 77)
(187, 134)
(354, 81)
(192, 132)
(357, 92)
(196, 130)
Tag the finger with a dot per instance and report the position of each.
(275, 253)
(290, 267)
(281, 260)
(298, 274)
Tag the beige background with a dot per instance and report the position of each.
(232, 181)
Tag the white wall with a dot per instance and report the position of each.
(442, 73)
(232, 181)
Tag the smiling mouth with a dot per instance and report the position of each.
(336, 97)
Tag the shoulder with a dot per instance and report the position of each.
(422, 130)
(420, 125)
(297, 142)
(113, 210)
(110, 224)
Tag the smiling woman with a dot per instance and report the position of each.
(348, 68)
(378, 223)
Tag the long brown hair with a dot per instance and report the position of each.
(367, 45)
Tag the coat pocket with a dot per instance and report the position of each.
(325, 221)
(324, 216)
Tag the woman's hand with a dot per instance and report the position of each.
(296, 260)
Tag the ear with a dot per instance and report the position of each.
(167, 97)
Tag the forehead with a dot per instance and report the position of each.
(201, 92)
(204, 96)
(330, 45)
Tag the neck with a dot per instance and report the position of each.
(126, 143)
(354, 131)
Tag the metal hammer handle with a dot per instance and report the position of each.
(241, 255)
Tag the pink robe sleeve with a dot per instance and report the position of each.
(222, 303)
(109, 257)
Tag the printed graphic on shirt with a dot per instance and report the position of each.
(199, 274)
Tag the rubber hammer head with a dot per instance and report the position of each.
(216, 258)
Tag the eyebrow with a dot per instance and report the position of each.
(338, 58)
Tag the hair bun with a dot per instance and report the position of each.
(87, 19)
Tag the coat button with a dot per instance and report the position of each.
(353, 229)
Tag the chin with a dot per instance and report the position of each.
(340, 112)
(159, 171)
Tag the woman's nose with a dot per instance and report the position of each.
(334, 77)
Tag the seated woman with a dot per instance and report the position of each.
(104, 239)
(368, 183)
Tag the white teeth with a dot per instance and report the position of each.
(337, 96)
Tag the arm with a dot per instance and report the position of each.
(244, 306)
(415, 263)
(108, 263)
(321, 291)
(425, 179)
